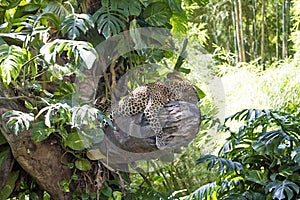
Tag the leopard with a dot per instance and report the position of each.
(150, 98)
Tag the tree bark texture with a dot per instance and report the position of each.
(44, 161)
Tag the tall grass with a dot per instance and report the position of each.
(276, 88)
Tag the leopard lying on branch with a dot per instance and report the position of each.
(150, 98)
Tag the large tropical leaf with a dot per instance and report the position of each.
(273, 142)
(58, 8)
(296, 155)
(130, 7)
(256, 176)
(224, 164)
(12, 58)
(179, 19)
(8, 4)
(74, 24)
(17, 121)
(76, 51)
(84, 115)
(110, 20)
(283, 189)
(59, 112)
(157, 14)
(204, 192)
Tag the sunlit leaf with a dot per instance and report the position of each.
(75, 24)
(17, 121)
(12, 59)
(205, 191)
(84, 115)
(83, 164)
(78, 52)
(54, 113)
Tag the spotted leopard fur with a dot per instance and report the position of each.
(150, 98)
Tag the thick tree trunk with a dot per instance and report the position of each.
(44, 161)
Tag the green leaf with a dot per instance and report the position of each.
(65, 92)
(204, 192)
(296, 155)
(78, 52)
(40, 131)
(76, 141)
(9, 185)
(8, 4)
(202, 3)
(282, 189)
(84, 115)
(256, 177)
(110, 21)
(157, 14)
(269, 142)
(58, 113)
(83, 164)
(12, 59)
(60, 9)
(17, 121)
(117, 195)
(200, 92)
(179, 19)
(28, 105)
(3, 154)
(182, 56)
(26, 9)
(107, 191)
(2, 139)
(74, 24)
(130, 7)
(225, 165)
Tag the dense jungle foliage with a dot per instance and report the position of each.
(242, 56)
